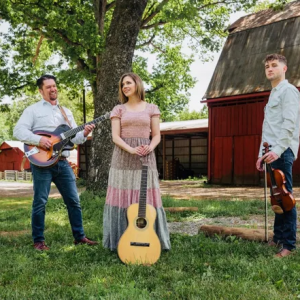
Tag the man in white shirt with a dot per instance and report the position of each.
(281, 130)
(46, 115)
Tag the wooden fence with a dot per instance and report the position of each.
(15, 175)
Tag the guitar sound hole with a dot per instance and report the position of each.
(141, 223)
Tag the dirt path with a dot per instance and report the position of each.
(177, 189)
(195, 190)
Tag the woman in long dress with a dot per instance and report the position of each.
(132, 121)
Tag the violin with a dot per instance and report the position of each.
(281, 199)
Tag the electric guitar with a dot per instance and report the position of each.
(61, 141)
(139, 244)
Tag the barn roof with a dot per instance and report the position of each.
(240, 67)
(200, 125)
(265, 17)
(12, 144)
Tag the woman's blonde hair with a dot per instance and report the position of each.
(140, 90)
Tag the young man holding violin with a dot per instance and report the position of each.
(281, 131)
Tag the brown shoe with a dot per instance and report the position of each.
(40, 246)
(283, 253)
(87, 241)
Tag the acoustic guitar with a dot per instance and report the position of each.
(61, 141)
(140, 244)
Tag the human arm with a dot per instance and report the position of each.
(290, 111)
(155, 132)
(23, 129)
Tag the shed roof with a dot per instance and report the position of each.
(240, 67)
(200, 125)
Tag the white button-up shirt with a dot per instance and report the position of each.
(46, 117)
(281, 121)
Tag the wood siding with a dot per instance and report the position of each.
(235, 139)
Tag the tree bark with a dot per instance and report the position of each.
(243, 233)
(116, 60)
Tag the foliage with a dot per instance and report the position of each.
(267, 4)
(196, 267)
(193, 115)
(73, 101)
(40, 41)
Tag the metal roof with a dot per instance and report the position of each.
(240, 68)
(180, 126)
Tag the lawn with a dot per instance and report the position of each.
(197, 267)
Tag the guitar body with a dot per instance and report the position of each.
(48, 158)
(140, 244)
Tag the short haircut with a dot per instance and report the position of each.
(140, 90)
(40, 81)
(279, 57)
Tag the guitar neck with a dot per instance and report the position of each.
(74, 131)
(143, 193)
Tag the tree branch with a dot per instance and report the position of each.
(157, 48)
(66, 39)
(155, 89)
(99, 11)
(110, 5)
(37, 51)
(146, 43)
(154, 12)
(154, 25)
(215, 3)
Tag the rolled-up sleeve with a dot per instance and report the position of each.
(23, 129)
(290, 111)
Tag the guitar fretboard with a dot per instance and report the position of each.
(74, 131)
(143, 193)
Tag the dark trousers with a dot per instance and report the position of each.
(285, 225)
(63, 177)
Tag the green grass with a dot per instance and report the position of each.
(196, 267)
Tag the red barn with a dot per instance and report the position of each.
(239, 90)
(11, 156)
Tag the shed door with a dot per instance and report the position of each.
(222, 170)
(245, 156)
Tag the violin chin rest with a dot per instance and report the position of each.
(277, 209)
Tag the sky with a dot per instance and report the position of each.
(201, 71)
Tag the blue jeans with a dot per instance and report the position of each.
(63, 177)
(285, 225)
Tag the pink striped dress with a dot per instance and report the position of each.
(125, 178)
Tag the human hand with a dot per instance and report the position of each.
(45, 143)
(146, 149)
(136, 150)
(88, 129)
(270, 157)
(260, 165)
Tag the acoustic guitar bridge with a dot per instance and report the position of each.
(139, 244)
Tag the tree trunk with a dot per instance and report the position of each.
(243, 233)
(115, 61)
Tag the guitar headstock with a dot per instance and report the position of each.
(107, 115)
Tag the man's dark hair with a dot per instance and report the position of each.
(279, 57)
(40, 81)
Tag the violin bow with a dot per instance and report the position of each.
(266, 205)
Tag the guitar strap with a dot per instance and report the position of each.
(64, 115)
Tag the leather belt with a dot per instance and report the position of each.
(62, 158)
